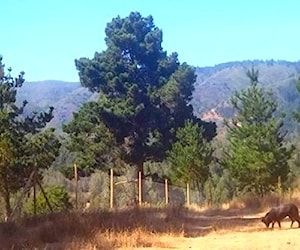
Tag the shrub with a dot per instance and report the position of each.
(99, 189)
(57, 196)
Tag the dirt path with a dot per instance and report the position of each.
(276, 239)
(231, 232)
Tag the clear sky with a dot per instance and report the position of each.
(43, 37)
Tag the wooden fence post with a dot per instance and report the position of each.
(166, 191)
(140, 188)
(34, 191)
(76, 185)
(111, 188)
(187, 194)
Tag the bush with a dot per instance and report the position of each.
(99, 190)
(57, 196)
(219, 189)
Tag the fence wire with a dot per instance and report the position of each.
(96, 192)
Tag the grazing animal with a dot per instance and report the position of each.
(276, 214)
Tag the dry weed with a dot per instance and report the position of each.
(105, 229)
(137, 227)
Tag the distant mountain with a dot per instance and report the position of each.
(65, 97)
(215, 86)
(211, 99)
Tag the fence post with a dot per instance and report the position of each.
(76, 185)
(140, 188)
(187, 194)
(34, 191)
(111, 188)
(166, 191)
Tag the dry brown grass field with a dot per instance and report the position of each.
(236, 226)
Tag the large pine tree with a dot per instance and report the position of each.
(145, 94)
(257, 155)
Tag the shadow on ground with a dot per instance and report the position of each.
(201, 223)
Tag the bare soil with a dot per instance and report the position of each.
(226, 231)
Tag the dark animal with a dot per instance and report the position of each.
(276, 214)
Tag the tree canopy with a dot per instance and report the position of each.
(257, 155)
(22, 140)
(92, 141)
(190, 156)
(144, 93)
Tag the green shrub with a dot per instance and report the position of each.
(219, 189)
(57, 196)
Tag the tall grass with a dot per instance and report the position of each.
(132, 227)
(102, 229)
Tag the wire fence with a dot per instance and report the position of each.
(116, 192)
(101, 190)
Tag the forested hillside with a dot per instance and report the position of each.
(213, 89)
(215, 85)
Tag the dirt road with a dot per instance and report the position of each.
(231, 232)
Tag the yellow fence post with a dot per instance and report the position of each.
(111, 188)
(140, 188)
(76, 185)
(166, 191)
(187, 194)
(34, 191)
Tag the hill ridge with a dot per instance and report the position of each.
(213, 88)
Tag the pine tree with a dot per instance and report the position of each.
(18, 138)
(257, 155)
(144, 93)
(190, 156)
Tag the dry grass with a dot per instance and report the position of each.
(101, 230)
(235, 226)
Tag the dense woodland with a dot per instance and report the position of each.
(145, 111)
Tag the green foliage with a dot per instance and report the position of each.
(219, 188)
(10, 137)
(57, 196)
(42, 149)
(144, 93)
(92, 141)
(20, 142)
(157, 171)
(190, 156)
(256, 156)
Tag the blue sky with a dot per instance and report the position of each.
(43, 37)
